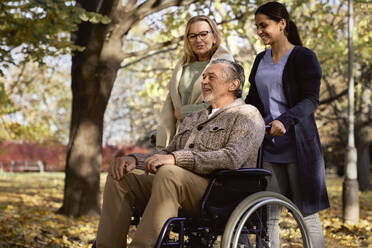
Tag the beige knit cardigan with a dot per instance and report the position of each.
(229, 139)
(168, 124)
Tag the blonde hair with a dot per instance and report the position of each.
(190, 56)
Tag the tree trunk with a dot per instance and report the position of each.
(350, 187)
(93, 74)
(350, 201)
(92, 81)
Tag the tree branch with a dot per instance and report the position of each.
(333, 98)
(154, 47)
(124, 21)
(146, 51)
(152, 70)
(147, 56)
(150, 7)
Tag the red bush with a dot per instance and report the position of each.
(53, 156)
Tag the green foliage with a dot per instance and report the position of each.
(327, 36)
(31, 30)
(37, 29)
(34, 98)
(5, 103)
(35, 104)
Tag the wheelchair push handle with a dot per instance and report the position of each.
(268, 127)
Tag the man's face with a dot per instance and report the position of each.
(214, 86)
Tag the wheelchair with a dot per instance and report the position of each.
(235, 208)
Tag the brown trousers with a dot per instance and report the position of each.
(160, 196)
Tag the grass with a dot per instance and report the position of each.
(28, 202)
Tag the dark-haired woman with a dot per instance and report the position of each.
(285, 81)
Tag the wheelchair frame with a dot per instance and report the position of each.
(237, 184)
(245, 193)
(242, 212)
(214, 211)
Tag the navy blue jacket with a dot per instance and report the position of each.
(301, 84)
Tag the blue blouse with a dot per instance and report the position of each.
(270, 89)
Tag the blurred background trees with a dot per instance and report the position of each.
(323, 28)
(38, 37)
(38, 101)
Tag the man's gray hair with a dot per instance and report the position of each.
(235, 71)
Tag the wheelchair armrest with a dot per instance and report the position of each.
(242, 172)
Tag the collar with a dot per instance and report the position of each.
(205, 113)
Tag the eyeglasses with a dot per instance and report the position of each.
(203, 35)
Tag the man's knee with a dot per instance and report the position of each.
(123, 183)
(170, 172)
(110, 182)
(169, 175)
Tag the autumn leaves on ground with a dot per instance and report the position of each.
(28, 202)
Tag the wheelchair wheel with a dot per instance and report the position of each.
(248, 224)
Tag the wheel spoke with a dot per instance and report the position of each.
(253, 213)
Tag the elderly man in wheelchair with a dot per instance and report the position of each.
(194, 186)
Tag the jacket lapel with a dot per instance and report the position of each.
(174, 83)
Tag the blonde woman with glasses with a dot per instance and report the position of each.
(202, 44)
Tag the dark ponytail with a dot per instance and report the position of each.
(277, 11)
(293, 35)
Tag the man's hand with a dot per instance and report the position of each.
(177, 114)
(121, 166)
(277, 128)
(155, 161)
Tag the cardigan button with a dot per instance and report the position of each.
(200, 128)
(191, 145)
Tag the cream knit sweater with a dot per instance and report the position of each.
(229, 139)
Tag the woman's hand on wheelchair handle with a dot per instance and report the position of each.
(122, 166)
(277, 128)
